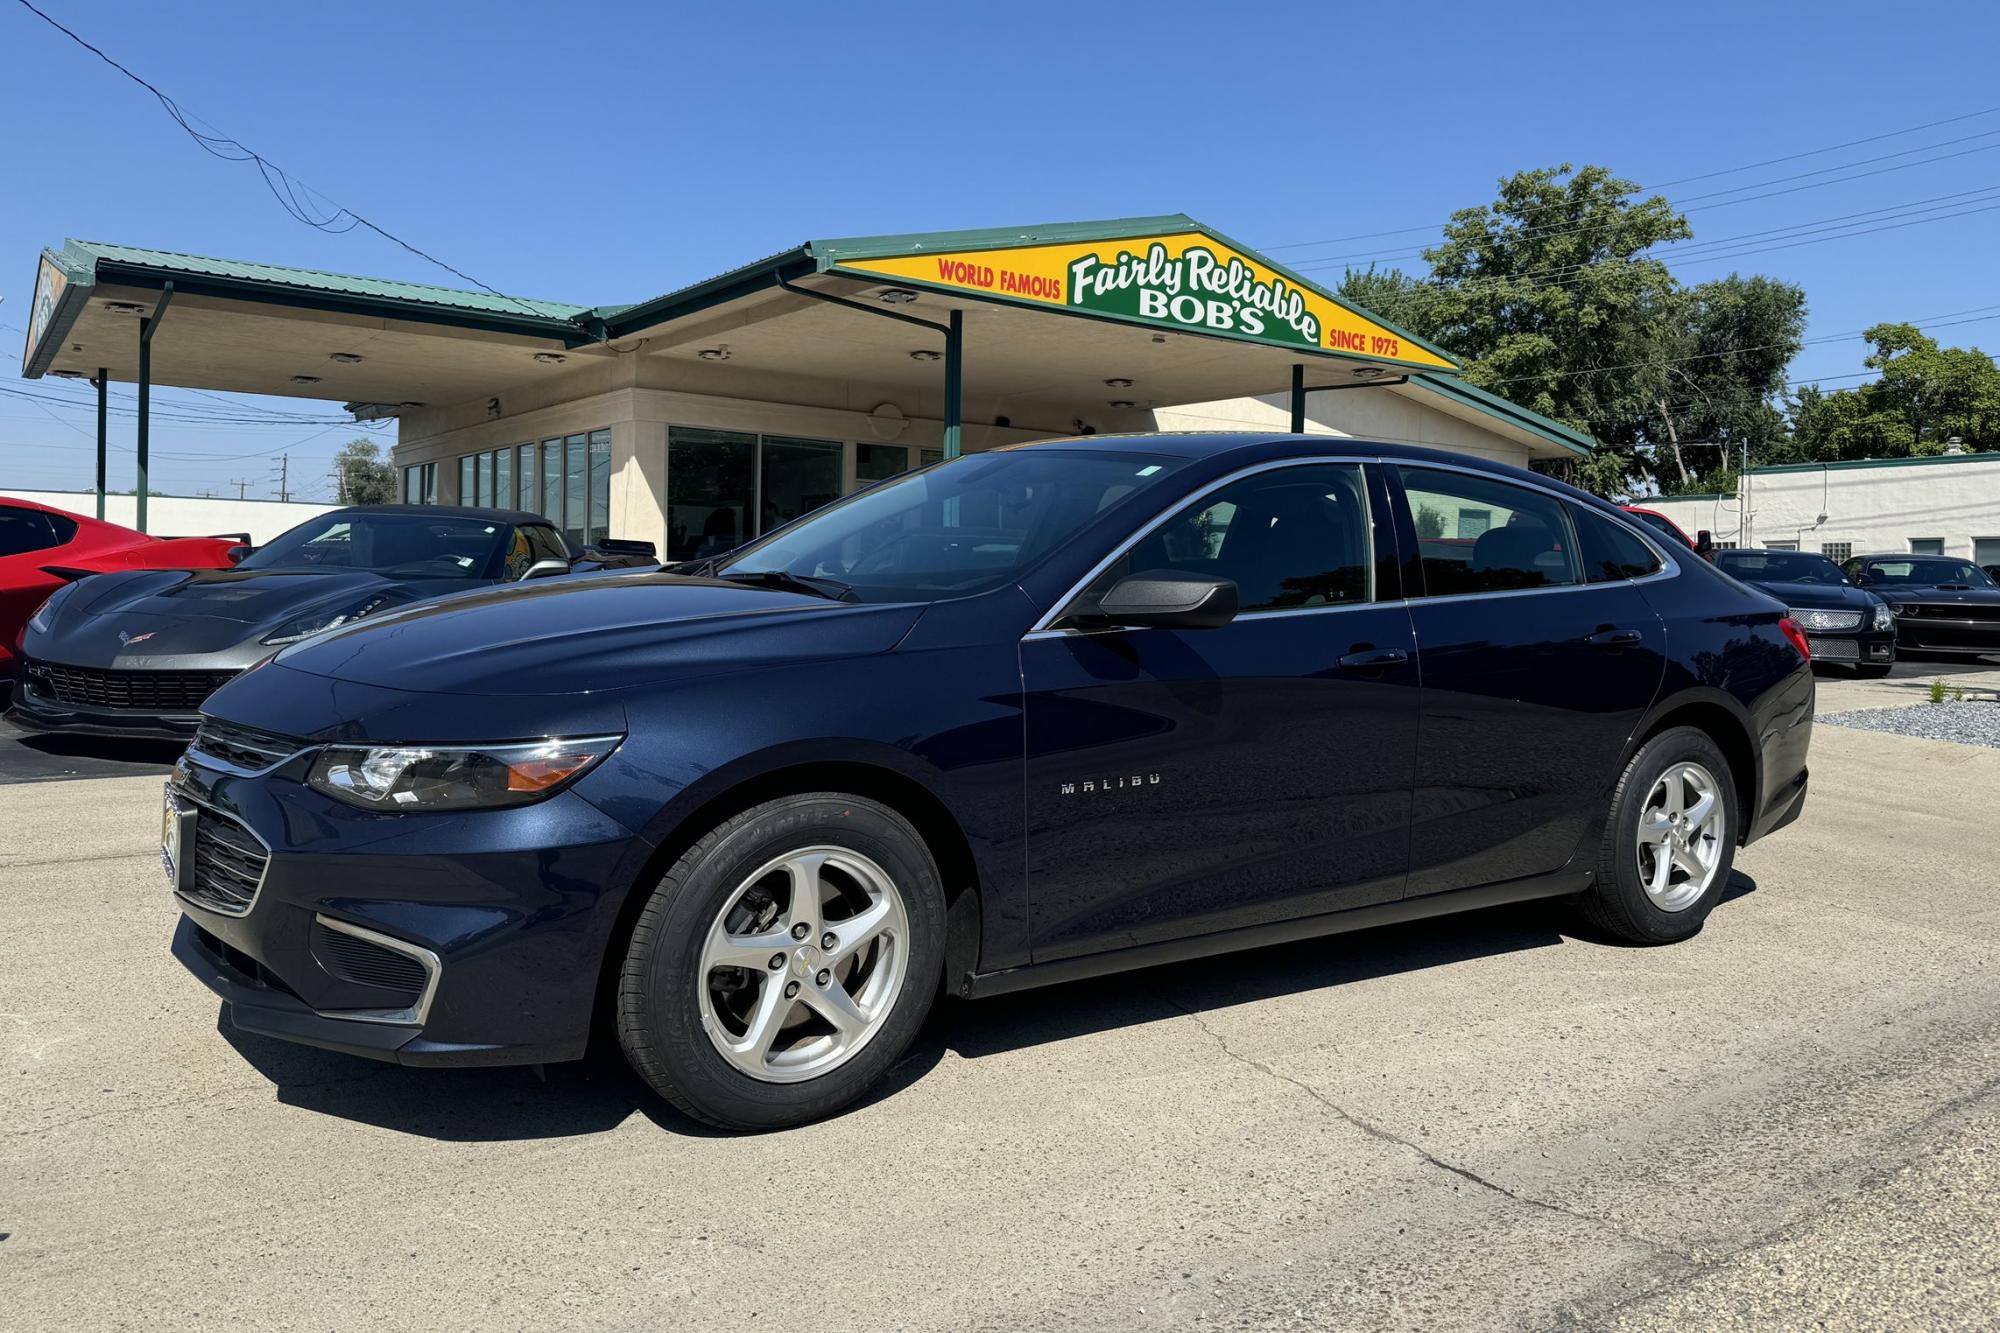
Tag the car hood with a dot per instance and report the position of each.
(604, 632)
(1820, 596)
(1948, 595)
(119, 618)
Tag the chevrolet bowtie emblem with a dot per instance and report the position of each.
(129, 639)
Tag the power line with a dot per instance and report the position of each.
(1683, 180)
(284, 187)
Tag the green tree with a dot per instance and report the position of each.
(1925, 395)
(1551, 297)
(364, 476)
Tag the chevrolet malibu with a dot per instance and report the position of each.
(1026, 716)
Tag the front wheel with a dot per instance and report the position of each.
(1669, 842)
(784, 963)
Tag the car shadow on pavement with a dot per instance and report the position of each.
(600, 1093)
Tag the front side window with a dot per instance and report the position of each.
(1479, 534)
(963, 527)
(1290, 539)
(1609, 551)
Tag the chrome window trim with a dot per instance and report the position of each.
(433, 966)
(1040, 629)
(180, 794)
(1669, 566)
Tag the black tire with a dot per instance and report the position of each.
(1617, 903)
(1872, 672)
(658, 1007)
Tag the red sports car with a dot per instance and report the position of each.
(43, 548)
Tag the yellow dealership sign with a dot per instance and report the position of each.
(1189, 281)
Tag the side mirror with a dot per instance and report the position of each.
(1161, 599)
(542, 569)
(234, 555)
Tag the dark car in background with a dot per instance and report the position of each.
(1941, 604)
(1033, 714)
(134, 653)
(1845, 626)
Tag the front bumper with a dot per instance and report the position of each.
(1869, 647)
(513, 909)
(31, 713)
(1938, 634)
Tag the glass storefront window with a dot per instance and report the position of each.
(430, 483)
(531, 491)
(468, 485)
(486, 491)
(552, 481)
(413, 483)
(600, 486)
(879, 462)
(711, 485)
(503, 478)
(576, 489)
(925, 457)
(798, 477)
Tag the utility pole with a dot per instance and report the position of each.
(240, 486)
(284, 477)
(1744, 528)
(339, 485)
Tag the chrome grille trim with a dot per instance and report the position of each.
(1808, 618)
(433, 966)
(227, 863)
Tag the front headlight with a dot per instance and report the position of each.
(441, 777)
(321, 621)
(41, 620)
(1885, 616)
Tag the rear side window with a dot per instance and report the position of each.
(1478, 534)
(1610, 552)
(25, 530)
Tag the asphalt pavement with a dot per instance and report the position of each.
(1791, 1121)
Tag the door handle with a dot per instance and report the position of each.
(1615, 638)
(1373, 657)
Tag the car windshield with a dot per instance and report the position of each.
(1928, 573)
(400, 545)
(1780, 567)
(951, 529)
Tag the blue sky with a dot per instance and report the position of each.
(601, 153)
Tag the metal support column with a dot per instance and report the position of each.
(1298, 399)
(146, 327)
(954, 374)
(103, 388)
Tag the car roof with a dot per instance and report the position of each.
(519, 517)
(1275, 444)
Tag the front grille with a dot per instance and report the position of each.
(225, 865)
(1835, 650)
(1807, 619)
(121, 691)
(366, 963)
(1949, 611)
(243, 747)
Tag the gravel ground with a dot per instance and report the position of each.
(1969, 723)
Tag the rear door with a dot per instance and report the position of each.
(1185, 781)
(1537, 666)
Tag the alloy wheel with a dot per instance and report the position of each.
(803, 964)
(1680, 842)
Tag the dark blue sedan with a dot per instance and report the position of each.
(1026, 716)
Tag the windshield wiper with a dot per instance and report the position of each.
(831, 589)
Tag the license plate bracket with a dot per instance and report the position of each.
(176, 839)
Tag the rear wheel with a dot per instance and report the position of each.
(784, 963)
(1669, 843)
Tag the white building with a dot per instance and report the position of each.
(185, 515)
(1942, 504)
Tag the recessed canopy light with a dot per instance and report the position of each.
(409, 404)
(1368, 372)
(925, 354)
(1120, 383)
(1122, 402)
(895, 296)
(550, 358)
(67, 374)
(124, 308)
(305, 379)
(346, 358)
(713, 354)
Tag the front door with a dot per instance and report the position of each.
(1538, 663)
(1186, 781)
